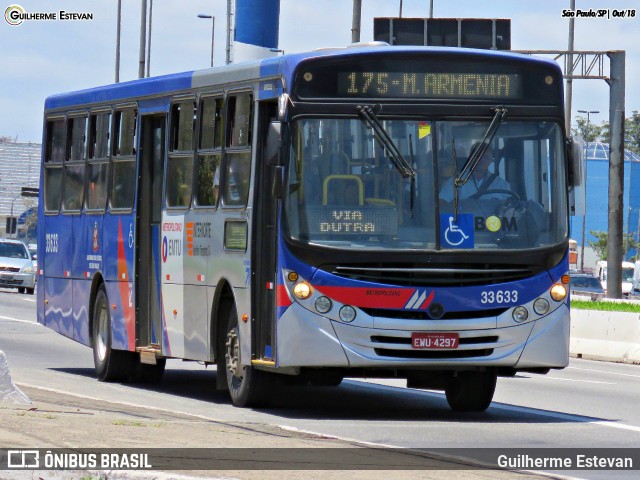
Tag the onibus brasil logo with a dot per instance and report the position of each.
(16, 14)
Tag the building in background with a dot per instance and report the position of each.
(597, 202)
(19, 167)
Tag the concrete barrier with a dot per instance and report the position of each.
(8, 391)
(602, 335)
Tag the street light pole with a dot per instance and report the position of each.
(584, 217)
(11, 215)
(213, 31)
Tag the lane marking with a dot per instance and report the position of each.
(11, 319)
(569, 380)
(32, 300)
(567, 416)
(606, 373)
(575, 418)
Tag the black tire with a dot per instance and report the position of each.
(247, 386)
(30, 291)
(110, 364)
(471, 391)
(20, 289)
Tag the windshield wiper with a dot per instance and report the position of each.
(404, 167)
(472, 162)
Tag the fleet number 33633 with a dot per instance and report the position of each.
(499, 296)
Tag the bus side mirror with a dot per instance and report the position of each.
(274, 144)
(576, 176)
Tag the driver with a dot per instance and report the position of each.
(481, 181)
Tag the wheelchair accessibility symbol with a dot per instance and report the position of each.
(456, 234)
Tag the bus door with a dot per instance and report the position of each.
(148, 221)
(264, 247)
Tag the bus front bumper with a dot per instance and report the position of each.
(306, 339)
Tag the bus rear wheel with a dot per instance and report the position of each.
(110, 364)
(248, 387)
(471, 391)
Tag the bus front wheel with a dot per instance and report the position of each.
(471, 391)
(248, 387)
(110, 364)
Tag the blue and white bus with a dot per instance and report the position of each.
(310, 215)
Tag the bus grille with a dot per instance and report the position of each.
(450, 276)
(424, 315)
(404, 342)
(433, 354)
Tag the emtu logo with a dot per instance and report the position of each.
(14, 15)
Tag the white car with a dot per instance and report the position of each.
(16, 267)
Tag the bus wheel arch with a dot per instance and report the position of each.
(247, 386)
(110, 364)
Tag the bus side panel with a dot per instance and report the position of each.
(201, 238)
(119, 245)
(81, 295)
(87, 260)
(122, 316)
(196, 323)
(87, 231)
(58, 245)
(56, 262)
(57, 310)
(173, 304)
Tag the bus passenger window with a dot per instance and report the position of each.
(125, 130)
(211, 123)
(54, 156)
(179, 181)
(237, 174)
(76, 138)
(73, 187)
(208, 180)
(240, 118)
(74, 165)
(180, 165)
(123, 185)
(98, 166)
(236, 189)
(99, 126)
(209, 151)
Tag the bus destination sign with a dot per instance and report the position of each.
(378, 84)
(362, 220)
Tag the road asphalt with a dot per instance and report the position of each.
(60, 420)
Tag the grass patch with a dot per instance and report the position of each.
(606, 306)
(128, 423)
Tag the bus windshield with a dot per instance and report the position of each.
(345, 189)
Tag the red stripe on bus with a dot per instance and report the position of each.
(368, 297)
(282, 297)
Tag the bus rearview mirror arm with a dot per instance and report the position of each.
(277, 188)
(274, 144)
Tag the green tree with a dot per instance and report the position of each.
(605, 133)
(600, 245)
(632, 132)
(589, 134)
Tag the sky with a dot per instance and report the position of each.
(40, 58)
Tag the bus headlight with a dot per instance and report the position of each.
(541, 306)
(520, 314)
(558, 292)
(347, 314)
(302, 290)
(323, 304)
